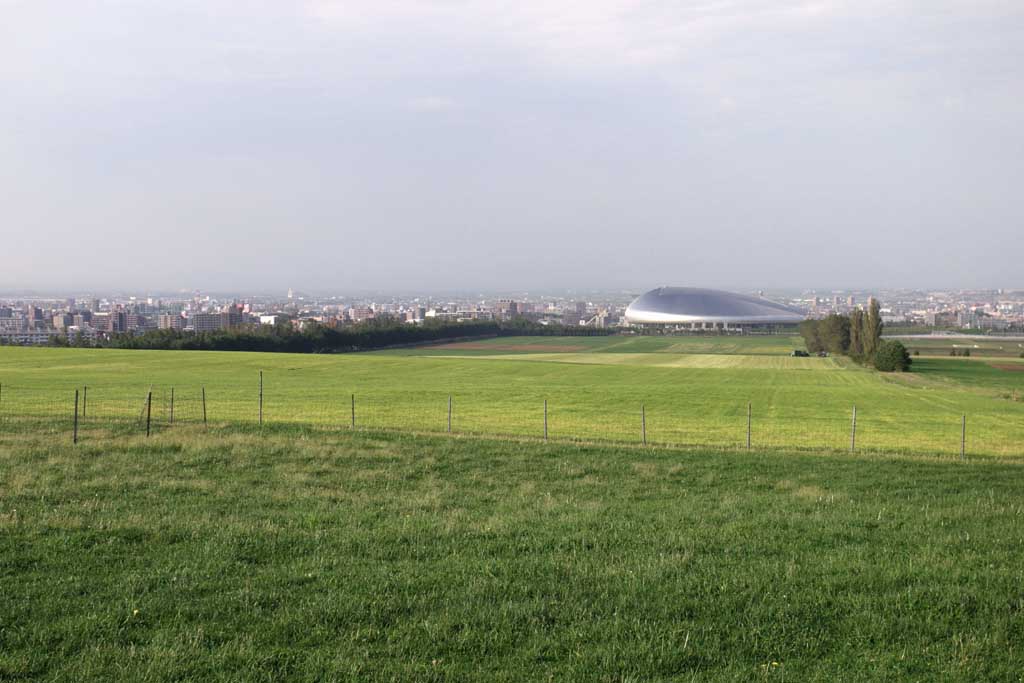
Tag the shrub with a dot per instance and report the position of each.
(892, 356)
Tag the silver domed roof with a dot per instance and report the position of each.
(693, 305)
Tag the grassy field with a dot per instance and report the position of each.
(298, 555)
(634, 344)
(594, 389)
(984, 348)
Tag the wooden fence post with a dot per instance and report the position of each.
(74, 437)
(853, 431)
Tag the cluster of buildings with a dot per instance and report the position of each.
(988, 310)
(36, 320)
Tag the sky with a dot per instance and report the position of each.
(335, 145)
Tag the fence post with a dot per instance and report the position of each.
(748, 424)
(171, 416)
(963, 436)
(853, 431)
(149, 409)
(643, 423)
(353, 411)
(545, 419)
(449, 413)
(261, 398)
(85, 399)
(74, 436)
(204, 405)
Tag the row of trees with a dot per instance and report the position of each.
(365, 336)
(859, 336)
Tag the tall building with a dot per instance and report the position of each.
(207, 322)
(101, 322)
(506, 309)
(170, 321)
(119, 321)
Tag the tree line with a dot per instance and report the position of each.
(316, 338)
(859, 336)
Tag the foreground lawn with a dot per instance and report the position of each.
(292, 555)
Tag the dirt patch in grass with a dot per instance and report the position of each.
(481, 346)
(1009, 367)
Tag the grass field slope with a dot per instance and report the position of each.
(293, 554)
(693, 391)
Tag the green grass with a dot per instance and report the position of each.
(999, 374)
(717, 344)
(699, 399)
(666, 360)
(301, 555)
(985, 348)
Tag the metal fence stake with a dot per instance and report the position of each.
(545, 419)
(748, 425)
(170, 417)
(149, 409)
(353, 411)
(449, 413)
(963, 436)
(261, 398)
(643, 423)
(204, 405)
(74, 437)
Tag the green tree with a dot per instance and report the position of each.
(809, 331)
(834, 333)
(892, 356)
(872, 335)
(857, 334)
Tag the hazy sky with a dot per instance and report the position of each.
(463, 144)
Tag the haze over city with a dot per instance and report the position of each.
(336, 146)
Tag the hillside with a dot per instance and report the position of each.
(227, 555)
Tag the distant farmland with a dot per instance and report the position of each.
(693, 391)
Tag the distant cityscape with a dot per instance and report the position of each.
(35, 320)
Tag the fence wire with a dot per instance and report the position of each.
(105, 411)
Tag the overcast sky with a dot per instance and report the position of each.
(463, 144)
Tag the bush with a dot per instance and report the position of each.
(892, 356)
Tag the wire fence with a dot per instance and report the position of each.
(97, 413)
